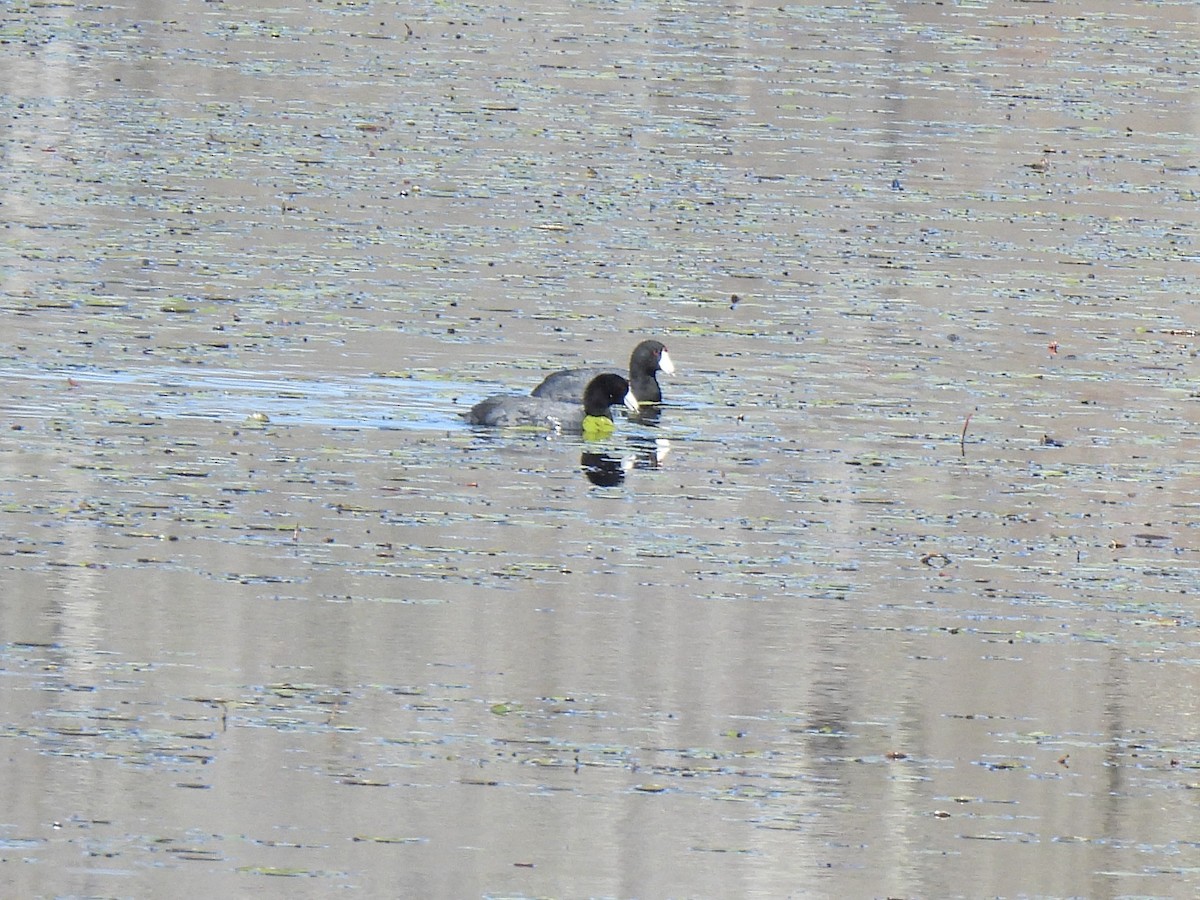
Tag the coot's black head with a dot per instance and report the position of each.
(607, 390)
(648, 359)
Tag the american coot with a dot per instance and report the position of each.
(593, 418)
(649, 358)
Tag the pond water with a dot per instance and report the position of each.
(897, 598)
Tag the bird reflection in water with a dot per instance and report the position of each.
(608, 470)
(603, 469)
(647, 414)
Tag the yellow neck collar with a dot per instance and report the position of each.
(596, 427)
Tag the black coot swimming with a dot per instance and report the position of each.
(592, 417)
(648, 359)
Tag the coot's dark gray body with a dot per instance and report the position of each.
(599, 394)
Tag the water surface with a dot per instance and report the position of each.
(897, 598)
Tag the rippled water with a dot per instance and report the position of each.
(896, 598)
